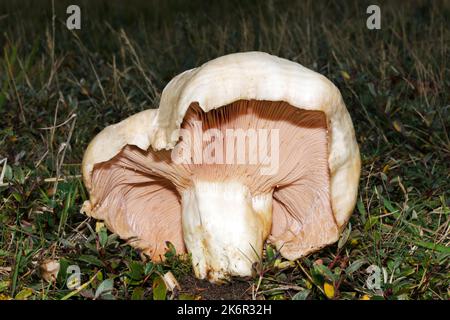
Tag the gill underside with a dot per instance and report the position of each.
(148, 199)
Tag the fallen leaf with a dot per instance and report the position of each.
(285, 264)
(308, 284)
(24, 294)
(398, 126)
(329, 290)
(49, 270)
(345, 75)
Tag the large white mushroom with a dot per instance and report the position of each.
(267, 152)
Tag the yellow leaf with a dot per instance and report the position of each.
(345, 75)
(100, 276)
(99, 226)
(285, 264)
(24, 294)
(365, 297)
(386, 168)
(329, 290)
(308, 284)
(277, 263)
(398, 126)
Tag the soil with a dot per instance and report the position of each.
(238, 289)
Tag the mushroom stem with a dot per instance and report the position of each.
(224, 228)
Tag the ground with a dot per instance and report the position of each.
(60, 87)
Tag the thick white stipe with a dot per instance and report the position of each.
(224, 228)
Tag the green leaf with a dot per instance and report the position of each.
(371, 222)
(148, 268)
(136, 271)
(4, 285)
(62, 274)
(103, 237)
(361, 208)
(324, 271)
(104, 288)
(8, 173)
(17, 196)
(407, 272)
(388, 205)
(112, 239)
(344, 236)
(171, 252)
(270, 253)
(433, 246)
(91, 260)
(355, 266)
(301, 295)
(138, 294)
(159, 289)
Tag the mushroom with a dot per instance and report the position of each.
(244, 149)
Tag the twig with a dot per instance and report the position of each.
(62, 149)
(283, 288)
(73, 115)
(309, 277)
(54, 179)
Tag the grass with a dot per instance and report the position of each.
(59, 88)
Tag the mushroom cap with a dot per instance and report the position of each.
(222, 81)
(260, 76)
